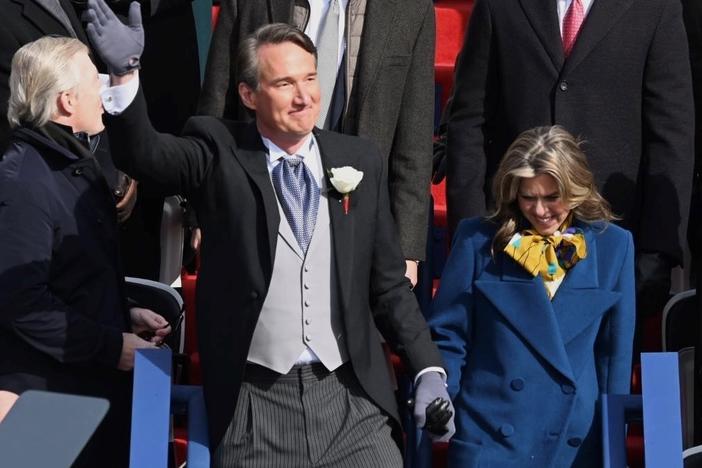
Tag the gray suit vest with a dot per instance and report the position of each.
(301, 308)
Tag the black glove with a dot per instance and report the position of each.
(652, 282)
(118, 45)
(432, 407)
(438, 163)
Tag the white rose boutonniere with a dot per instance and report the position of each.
(345, 180)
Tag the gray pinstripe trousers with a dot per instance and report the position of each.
(309, 417)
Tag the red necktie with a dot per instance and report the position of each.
(572, 21)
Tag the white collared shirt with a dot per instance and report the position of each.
(318, 10)
(563, 5)
(308, 152)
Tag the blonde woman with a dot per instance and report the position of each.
(535, 313)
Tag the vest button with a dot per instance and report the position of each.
(307, 303)
(307, 268)
(307, 321)
(517, 384)
(253, 295)
(308, 338)
(575, 441)
(563, 86)
(506, 430)
(306, 286)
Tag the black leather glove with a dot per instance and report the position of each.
(118, 45)
(652, 282)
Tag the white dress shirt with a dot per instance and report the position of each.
(318, 10)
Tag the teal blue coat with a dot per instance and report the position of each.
(526, 373)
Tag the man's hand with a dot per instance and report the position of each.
(432, 386)
(118, 45)
(146, 322)
(130, 343)
(411, 272)
(126, 204)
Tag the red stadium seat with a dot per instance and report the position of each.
(451, 23)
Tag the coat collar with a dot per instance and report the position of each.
(543, 16)
(603, 15)
(548, 326)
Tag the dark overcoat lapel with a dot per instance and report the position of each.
(603, 15)
(548, 326)
(543, 17)
(379, 18)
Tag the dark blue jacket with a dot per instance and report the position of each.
(526, 373)
(62, 304)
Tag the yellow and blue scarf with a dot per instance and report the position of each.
(548, 256)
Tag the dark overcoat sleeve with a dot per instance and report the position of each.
(465, 153)
(668, 137)
(410, 156)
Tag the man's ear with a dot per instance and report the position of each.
(248, 96)
(65, 103)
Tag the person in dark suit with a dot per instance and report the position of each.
(384, 87)
(614, 73)
(64, 321)
(299, 263)
(535, 313)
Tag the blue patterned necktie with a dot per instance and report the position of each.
(298, 194)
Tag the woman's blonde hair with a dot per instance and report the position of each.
(40, 71)
(552, 151)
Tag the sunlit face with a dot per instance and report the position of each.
(287, 99)
(87, 105)
(541, 204)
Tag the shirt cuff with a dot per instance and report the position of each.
(115, 99)
(429, 369)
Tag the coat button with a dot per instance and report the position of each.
(567, 389)
(307, 321)
(563, 86)
(78, 171)
(99, 221)
(308, 338)
(254, 295)
(506, 430)
(517, 385)
(575, 441)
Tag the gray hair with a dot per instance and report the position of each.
(40, 71)
(275, 33)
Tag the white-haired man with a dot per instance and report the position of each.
(64, 321)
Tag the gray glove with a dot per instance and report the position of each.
(118, 45)
(430, 388)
